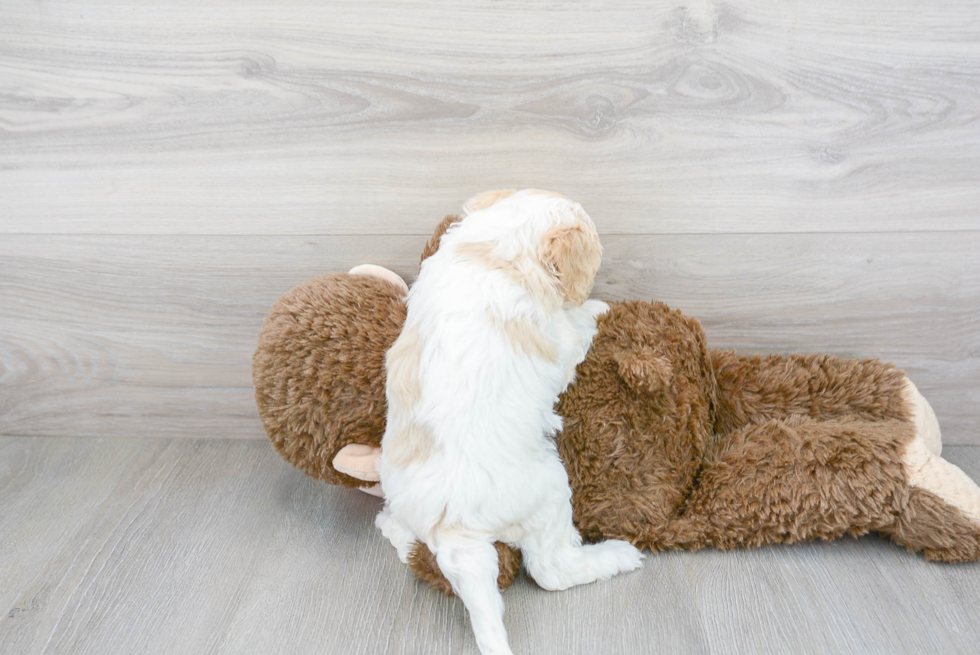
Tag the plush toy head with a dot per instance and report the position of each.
(319, 373)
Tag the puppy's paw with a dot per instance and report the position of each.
(400, 537)
(614, 557)
(553, 421)
(595, 308)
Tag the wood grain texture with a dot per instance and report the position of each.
(801, 178)
(152, 336)
(270, 117)
(119, 546)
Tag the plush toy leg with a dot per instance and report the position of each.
(939, 530)
(942, 517)
(801, 479)
(795, 480)
(927, 471)
(756, 389)
(470, 565)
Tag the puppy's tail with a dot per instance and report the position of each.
(422, 563)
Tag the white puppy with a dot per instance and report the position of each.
(497, 322)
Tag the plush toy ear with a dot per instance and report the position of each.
(644, 370)
(573, 252)
(486, 199)
(380, 272)
(433, 245)
(360, 461)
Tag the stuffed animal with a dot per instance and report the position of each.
(667, 443)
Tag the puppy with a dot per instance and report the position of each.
(498, 319)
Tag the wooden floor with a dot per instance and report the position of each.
(122, 546)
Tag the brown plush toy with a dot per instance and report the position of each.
(667, 443)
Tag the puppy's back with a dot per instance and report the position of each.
(485, 350)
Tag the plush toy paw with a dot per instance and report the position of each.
(925, 469)
(942, 518)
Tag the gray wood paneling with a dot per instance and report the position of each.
(152, 336)
(269, 117)
(154, 546)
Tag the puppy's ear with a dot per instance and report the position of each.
(572, 252)
(486, 199)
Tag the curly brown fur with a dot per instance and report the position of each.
(632, 445)
(318, 370)
(756, 388)
(930, 525)
(784, 481)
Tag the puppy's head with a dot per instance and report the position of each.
(545, 227)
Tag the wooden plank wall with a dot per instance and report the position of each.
(800, 176)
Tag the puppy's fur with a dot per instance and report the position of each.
(497, 322)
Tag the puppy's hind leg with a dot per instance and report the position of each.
(470, 565)
(556, 559)
(395, 531)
